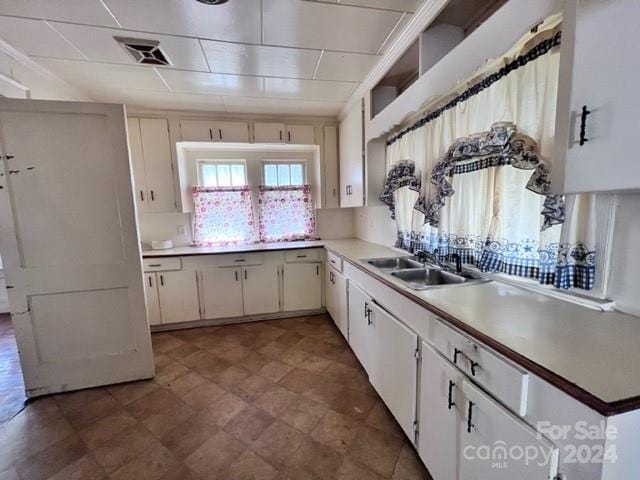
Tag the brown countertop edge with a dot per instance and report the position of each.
(605, 408)
(261, 250)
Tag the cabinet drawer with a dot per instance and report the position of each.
(162, 264)
(302, 255)
(507, 381)
(335, 261)
(240, 259)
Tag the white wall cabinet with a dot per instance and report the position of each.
(150, 150)
(301, 134)
(221, 293)
(336, 298)
(351, 134)
(178, 293)
(269, 132)
(237, 132)
(153, 301)
(260, 290)
(359, 320)
(210, 131)
(331, 179)
(302, 286)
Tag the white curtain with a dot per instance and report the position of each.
(491, 218)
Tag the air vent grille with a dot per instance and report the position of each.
(146, 52)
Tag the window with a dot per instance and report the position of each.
(283, 174)
(222, 173)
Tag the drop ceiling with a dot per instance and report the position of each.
(246, 56)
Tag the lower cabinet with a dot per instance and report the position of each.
(336, 295)
(260, 292)
(221, 293)
(302, 286)
(153, 302)
(178, 293)
(359, 320)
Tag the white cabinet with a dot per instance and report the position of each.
(269, 132)
(440, 415)
(359, 320)
(153, 301)
(393, 366)
(152, 165)
(489, 424)
(178, 293)
(302, 286)
(336, 294)
(196, 131)
(301, 134)
(331, 168)
(237, 132)
(597, 64)
(260, 290)
(210, 131)
(221, 293)
(351, 135)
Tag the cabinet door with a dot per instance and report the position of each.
(301, 134)
(151, 295)
(302, 286)
(231, 132)
(196, 131)
(440, 408)
(488, 424)
(394, 366)
(221, 290)
(599, 79)
(158, 165)
(351, 158)
(331, 168)
(137, 164)
(178, 293)
(260, 290)
(359, 331)
(269, 132)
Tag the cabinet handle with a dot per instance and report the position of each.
(220, 132)
(162, 280)
(301, 256)
(210, 134)
(238, 260)
(334, 193)
(317, 270)
(450, 402)
(141, 195)
(289, 136)
(236, 272)
(155, 265)
(470, 424)
(456, 353)
(153, 197)
(331, 277)
(280, 135)
(245, 274)
(583, 125)
(474, 365)
(150, 282)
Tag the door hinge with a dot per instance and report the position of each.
(417, 354)
(416, 430)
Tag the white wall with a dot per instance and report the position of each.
(374, 224)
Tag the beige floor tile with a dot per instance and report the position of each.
(165, 342)
(183, 351)
(232, 377)
(250, 466)
(52, 459)
(349, 470)
(276, 400)
(252, 387)
(151, 464)
(248, 424)
(185, 383)
(409, 466)
(127, 393)
(336, 431)
(278, 443)
(381, 418)
(188, 436)
(376, 450)
(275, 370)
(316, 459)
(353, 403)
(304, 414)
(224, 409)
(123, 448)
(82, 415)
(215, 455)
(106, 428)
(203, 395)
(85, 468)
(300, 381)
(168, 373)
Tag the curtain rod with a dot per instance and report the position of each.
(535, 52)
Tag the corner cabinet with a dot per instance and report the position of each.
(351, 135)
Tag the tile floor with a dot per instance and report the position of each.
(11, 385)
(282, 399)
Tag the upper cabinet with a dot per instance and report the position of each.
(331, 177)
(269, 132)
(351, 136)
(301, 134)
(208, 131)
(152, 165)
(597, 108)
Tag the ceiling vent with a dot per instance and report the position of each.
(146, 52)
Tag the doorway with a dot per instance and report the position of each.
(12, 395)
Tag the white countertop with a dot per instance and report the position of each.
(597, 351)
(253, 247)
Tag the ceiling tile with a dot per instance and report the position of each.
(213, 83)
(308, 89)
(91, 12)
(396, 31)
(35, 37)
(296, 23)
(350, 67)
(279, 106)
(98, 77)
(164, 100)
(260, 60)
(236, 21)
(99, 45)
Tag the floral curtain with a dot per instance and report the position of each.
(223, 216)
(286, 213)
(480, 164)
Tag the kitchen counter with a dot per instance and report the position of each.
(591, 355)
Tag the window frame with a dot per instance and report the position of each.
(289, 162)
(222, 161)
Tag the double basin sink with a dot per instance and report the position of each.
(419, 276)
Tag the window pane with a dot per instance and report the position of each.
(283, 174)
(297, 176)
(271, 175)
(224, 176)
(237, 175)
(208, 175)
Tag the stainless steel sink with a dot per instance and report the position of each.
(424, 278)
(395, 263)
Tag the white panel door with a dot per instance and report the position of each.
(351, 160)
(301, 134)
(302, 286)
(70, 245)
(440, 414)
(489, 424)
(137, 164)
(394, 366)
(196, 131)
(178, 292)
(359, 325)
(331, 168)
(231, 132)
(221, 290)
(158, 166)
(153, 301)
(260, 291)
(269, 132)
